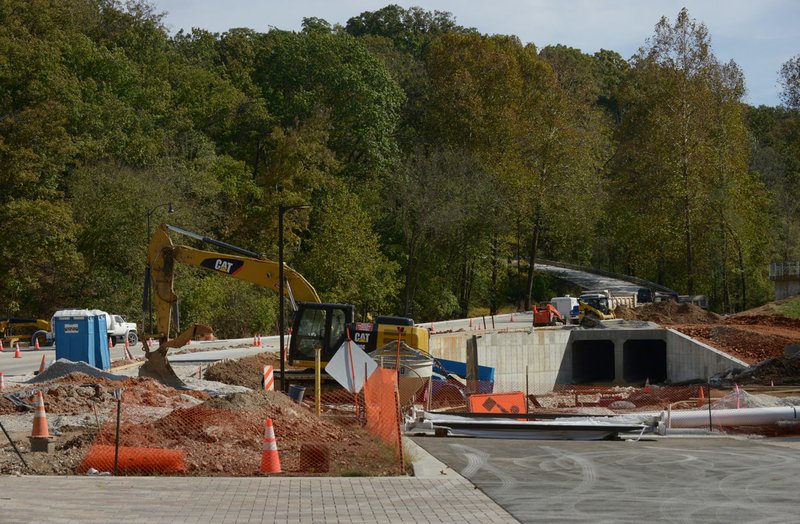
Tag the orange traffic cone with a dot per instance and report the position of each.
(701, 397)
(36, 344)
(433, 328)
(512, 317)
(40, 419)
(43, 365)
(2, 381)
(470, 323)
(17, 353)
(255, 340)
(1, 346)
(270, 461)
(110, 343)
(646, 387)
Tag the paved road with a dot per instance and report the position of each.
(589, 280)
(657, 480)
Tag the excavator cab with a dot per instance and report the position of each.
(326, 326)
(318, 326)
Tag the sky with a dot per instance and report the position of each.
(759, 35)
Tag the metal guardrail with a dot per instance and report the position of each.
(784, 269)
(627, 278)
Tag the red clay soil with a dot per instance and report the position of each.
(219, 436)
(224, 436)
(76, 394)
(751, 338)
(245, 372)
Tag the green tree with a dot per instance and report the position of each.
(682, 157)
(789, 78)
(342, 256)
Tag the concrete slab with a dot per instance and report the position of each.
(654, 480)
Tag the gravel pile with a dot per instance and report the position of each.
(63, 367)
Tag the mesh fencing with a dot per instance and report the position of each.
(261, 432)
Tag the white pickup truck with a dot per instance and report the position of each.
(119, 329)
(116, 326)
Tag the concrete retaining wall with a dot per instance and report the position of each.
(688, 359)
(547, 355)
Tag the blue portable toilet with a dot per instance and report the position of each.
(74, 331)
(102, 358)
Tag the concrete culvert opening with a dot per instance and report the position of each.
(644, 359)
(592, 361)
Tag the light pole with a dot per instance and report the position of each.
(147, 305)
(281, 210)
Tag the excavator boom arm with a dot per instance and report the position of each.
(162, 256)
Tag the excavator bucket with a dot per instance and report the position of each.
(156, 364)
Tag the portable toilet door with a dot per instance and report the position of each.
(74, 331)
(102, 358)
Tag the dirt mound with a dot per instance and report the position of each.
(76, 393)
(769, 309)
(764, 320)
(223, 436)
(779, 371)
(748, 345)
(668, 312)
(245, 372)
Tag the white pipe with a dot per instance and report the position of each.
(731, 417)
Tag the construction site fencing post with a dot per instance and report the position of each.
(317, 381)
(118, 397)
(708, 386)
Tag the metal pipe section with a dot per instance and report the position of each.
(730, 417)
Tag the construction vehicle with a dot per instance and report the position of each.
(593, 307)
(13, 330)
(546, 315)
(315, 325)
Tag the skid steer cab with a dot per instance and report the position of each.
(325, 326)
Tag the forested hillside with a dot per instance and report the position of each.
(439, 162)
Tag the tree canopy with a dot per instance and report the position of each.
(440, 163)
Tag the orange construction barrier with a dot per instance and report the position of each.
(134, 460)
(270, 461)
(40, 419)
(513, 402)
(268, 382)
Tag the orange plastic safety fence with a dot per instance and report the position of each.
(381, 399)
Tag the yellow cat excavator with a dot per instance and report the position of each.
(315, 325)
